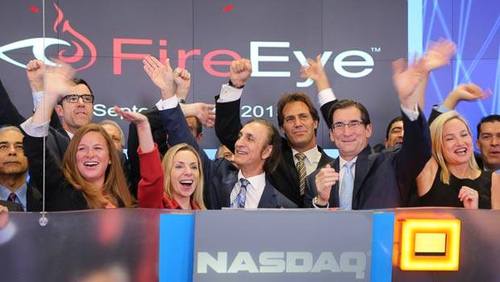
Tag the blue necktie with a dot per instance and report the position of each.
(239, 195)
(346, 187)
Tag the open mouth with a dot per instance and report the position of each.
(90, 164)
(186, 183)
(461, 151)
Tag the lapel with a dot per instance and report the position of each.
(336, 187)
(363, 166)
(325, 159)
(268, 198)
(287, 156)
(229, 179)
(33, 199)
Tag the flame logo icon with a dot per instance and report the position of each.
(78, 55)
(79, 43)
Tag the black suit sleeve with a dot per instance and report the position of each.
(325, 112)
(413, 155)
(434, 115)
(9, 115)
(228, 123)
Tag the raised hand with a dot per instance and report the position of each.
(182, 79)
(34, 71)
(406, 79)
(316, 72)
(204, 112)
(133, 117)
(161, 75)
(57, 80)
(146, 142)
(469, 197)
(439, 54)
(325, 179)
(239, 72)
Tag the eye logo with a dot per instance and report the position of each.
(83, 56)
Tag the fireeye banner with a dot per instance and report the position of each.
(353, 41)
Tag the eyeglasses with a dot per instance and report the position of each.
(73, 98)
(350, 124)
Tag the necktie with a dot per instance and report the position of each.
(346, 187)
(239, 194)
(301, 170)
(12, 198)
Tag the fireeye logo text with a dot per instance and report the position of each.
(283, 262)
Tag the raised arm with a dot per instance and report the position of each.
(437, 55)
(227, 121)
(315, 71)
(150, 186)
(415, 152)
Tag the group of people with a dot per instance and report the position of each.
(259, 165)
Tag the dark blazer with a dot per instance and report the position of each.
(220, 175)
(285, 178)
(384, 180)
(33, 198)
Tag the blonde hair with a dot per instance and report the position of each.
(167, 164)
(436, 129)
(115, 188)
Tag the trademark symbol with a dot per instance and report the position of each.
(376, 49)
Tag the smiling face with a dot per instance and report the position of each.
(299, 126)
(184, 174)
(457, 142)
(349, 140)
(75, 115)
(252, 149)
(93, 158)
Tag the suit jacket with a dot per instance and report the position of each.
(220, 175)
(384, 180)
(285, 177)
(33, 198)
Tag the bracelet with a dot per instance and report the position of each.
(316, 205)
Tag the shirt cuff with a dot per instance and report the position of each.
(441, 108)
(35, 130)
(167, 104)
(229, 94)
(37, 99)
(411, 114)
(326, 96)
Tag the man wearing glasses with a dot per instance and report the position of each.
(74, 111)
(358, 179)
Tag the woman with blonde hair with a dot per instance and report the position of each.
(452, 177)
(174, 183)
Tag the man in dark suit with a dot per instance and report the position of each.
(256, 152)
(359, 179)
(13, 171)
(298, 120)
